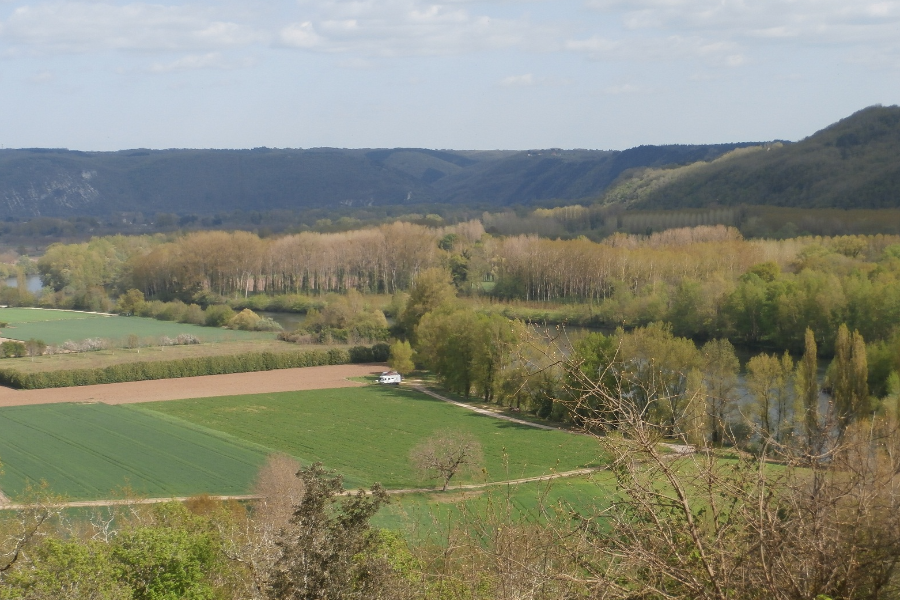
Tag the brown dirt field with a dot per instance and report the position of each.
(282, 380)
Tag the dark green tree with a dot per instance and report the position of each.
(327, 551)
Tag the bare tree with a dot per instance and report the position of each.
(279, 488)
(446, 454)
(27, 527)
(703, 525)
(252, 540)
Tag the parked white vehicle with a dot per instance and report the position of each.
(390, 377)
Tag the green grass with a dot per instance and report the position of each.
(58, 326)
(421, 514)
(366, 433)
(87, 451)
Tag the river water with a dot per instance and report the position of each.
(32, 283)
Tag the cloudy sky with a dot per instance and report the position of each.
(473, 74)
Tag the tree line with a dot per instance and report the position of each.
(706, 281)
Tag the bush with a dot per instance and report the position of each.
(218, 315)
(12, 349)
(267, 324)
(246, 320)
(193, 315)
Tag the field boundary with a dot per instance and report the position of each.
(203, 386)
(486, 412)
(251, 497)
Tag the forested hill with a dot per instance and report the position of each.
(49, 182)
(854, 163)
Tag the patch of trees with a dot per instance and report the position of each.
(706, 281)
(347, 318)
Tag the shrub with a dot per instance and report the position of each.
(267, 324)
(246, 320)
(193, 314)
(12, 349)
(218, 315)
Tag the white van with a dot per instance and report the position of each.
(390, 377)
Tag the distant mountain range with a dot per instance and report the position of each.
(59, 183)
(853, 163)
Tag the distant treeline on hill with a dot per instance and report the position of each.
(850, 164)
(63, 183)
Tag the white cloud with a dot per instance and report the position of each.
(42, 77)
(192, 62)
(624, 88)
(525, 80)
(406, 28)
(817, 21)
(728, 32)
(96, 26)
(301, 35)
(670, 48)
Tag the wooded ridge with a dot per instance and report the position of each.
(58, 182)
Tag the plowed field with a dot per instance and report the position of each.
(282, 380)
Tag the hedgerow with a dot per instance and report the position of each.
(190, 367)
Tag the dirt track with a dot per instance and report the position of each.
(282, 380)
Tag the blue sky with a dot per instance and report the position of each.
(464, 74)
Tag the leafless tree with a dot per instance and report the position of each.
(446, 454)
(778, 524)
(251, 540)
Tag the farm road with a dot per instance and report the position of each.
(261, 382)
(451, 488)
(484, 411)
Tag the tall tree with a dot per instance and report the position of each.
(808, 393)
(431, 290)
(720, 368)
(326, 549)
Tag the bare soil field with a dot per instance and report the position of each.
(281, 380)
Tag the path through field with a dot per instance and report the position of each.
(484, 411)
(261, 382)
(450, 488)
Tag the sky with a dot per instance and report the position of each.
(460, 74)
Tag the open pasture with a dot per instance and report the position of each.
(58, 326)
(88, 451)
(366, 433)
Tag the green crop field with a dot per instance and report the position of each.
(366, 433)
(58, 326)
(88, 451)
(419, 513)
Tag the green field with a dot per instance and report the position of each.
(58, 326)
(419, 513)
(366, 433)
(216, 445)
(88, 451)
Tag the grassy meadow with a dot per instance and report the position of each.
(366, 433)
(58, 326)
(88, 451)
(216, 445)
